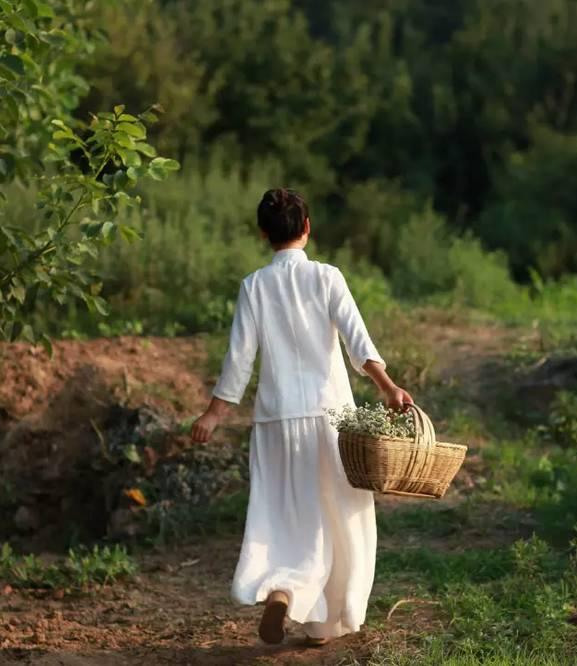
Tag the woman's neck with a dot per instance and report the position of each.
(293, 245)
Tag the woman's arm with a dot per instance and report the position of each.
(345, 314)
(363, 354)
(236, 370)
(397, 398)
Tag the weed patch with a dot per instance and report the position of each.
(81, 568)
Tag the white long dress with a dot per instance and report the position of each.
(308, 532)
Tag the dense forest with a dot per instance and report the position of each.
(375, 110)
(435, 143)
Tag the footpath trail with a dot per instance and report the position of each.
(177, 610)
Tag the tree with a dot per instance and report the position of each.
(85, 171)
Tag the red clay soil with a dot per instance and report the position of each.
(165, 372)
(177, 611)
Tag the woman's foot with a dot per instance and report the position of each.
(271, 628)
(310, 641)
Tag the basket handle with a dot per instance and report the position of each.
(424, 429)
(420, 466)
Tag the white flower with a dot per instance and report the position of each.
(375, 420)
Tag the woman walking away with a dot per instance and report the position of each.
(310, 538)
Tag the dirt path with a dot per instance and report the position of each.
(178, 611)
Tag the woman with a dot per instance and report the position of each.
(310, 538)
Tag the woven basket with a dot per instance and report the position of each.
(419, 468)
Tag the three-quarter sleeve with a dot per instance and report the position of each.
(346, 316)
(239, 360)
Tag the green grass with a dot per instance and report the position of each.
(515, 598)
(436, 654)
(80, 569)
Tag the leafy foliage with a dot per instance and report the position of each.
(81, 568)
(85, 173)
(372, 110)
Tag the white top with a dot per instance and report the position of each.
(293, 311)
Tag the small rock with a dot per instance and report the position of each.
(7, 589)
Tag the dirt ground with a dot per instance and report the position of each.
(177, 610)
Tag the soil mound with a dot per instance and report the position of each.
(95, 440)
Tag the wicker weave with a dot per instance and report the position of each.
(420, 468)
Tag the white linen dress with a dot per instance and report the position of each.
(307, 532)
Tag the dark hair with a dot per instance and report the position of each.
(281, 214)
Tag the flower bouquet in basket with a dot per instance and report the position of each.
(395, 452)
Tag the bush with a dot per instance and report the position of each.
(432, 262)
(562, 426)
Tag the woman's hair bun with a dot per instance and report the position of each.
(277, 198)
(281, 215)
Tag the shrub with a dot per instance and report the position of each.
(432, 262)
(562, 426)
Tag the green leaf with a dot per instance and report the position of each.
(87, 248)
(146, 149)
(59, 123)
(131, 453)
(42, 275)
(18, 22)
(101, 305)
(19, 292)
(120, 179)
(12, 62)
(28, 333)
(127, 117)
(157, 173)
(129, 234)
(10, 36)
(90, 228)
(148, 117)
(165, 164)
(130, 158)
(61, 134)
(47, 344)
(123, 197)
(107, 229)
(31, 8)
(119, 109)
(124, 140)
(133, 129)
(44, 10)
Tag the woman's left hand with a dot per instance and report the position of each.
(398, 398)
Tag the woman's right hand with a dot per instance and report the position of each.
(203, 427)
